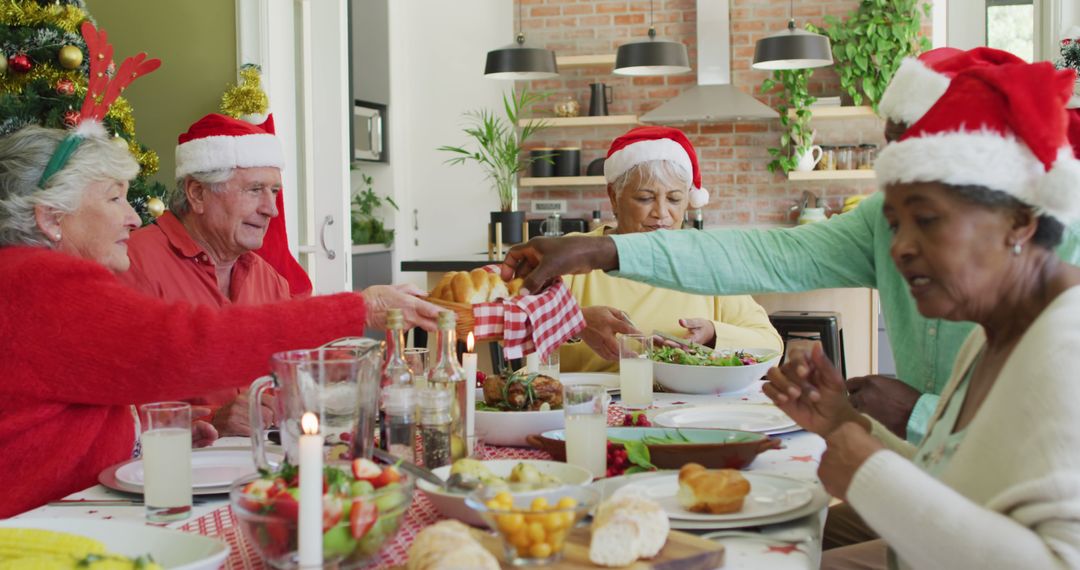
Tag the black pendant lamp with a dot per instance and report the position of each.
(652, 57)
(792, 48)
(516, 61)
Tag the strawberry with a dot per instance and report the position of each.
(331, 512)
(389, 474)
(365, 469)
(362, 517)
(257, 493)
(287, 504)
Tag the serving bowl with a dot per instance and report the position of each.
(452, 505)
(273, 530)
(713, 448)
(511, 429)
(693, 379)
(533, 525)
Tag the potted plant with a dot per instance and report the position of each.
(797, 137)
(499, 145)
(366, 227)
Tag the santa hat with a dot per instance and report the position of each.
(1002, 128)
(217, 142)
(919, 83)
(644, 144)
(1074, 130)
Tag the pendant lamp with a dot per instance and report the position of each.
(516, 61)
(792, 48)
(651, 57)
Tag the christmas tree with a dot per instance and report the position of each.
(43, 77)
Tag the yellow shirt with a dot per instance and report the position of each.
(739, 321)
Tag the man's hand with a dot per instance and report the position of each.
(701, 331)
(847, 448)
(541, 260)
(811, 390)
(601, 326)
(407, 297)
(885, 399)
(234, 418)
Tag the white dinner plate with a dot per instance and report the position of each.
(213, 470)
(769, 495)
(172, 549)
(760, 418)
(609, 380)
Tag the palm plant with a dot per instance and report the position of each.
(499, 143)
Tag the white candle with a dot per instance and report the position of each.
(311, 495)
(468, 362)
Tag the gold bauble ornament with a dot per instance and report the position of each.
(3, 64)
(155, 206)
(70, 57)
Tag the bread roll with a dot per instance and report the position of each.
(625, 528)
(447, 545)
(471, 287)
(711, 491)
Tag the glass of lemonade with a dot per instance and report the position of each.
(635, 370)
(585, 407)
(550, 366)
(166, 460)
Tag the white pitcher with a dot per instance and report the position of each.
(808, 159)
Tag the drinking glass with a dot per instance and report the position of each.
(550, 366)
(635, 370)
(418, 361)
(585, 408)
(166, 460)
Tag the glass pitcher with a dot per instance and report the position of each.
(338, 382)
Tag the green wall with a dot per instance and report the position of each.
(196, 43)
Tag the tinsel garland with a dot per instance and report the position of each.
(17, 82)
(247, 98)
(64, 16)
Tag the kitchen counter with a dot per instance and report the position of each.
(443, 264)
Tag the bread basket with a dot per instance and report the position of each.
(464, 314)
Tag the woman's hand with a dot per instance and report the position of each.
(541, 260)
(203, 433)
(849, 446)
(234, 418)
(701, 331)
(601, 326)
(810, 390)
(407, 297)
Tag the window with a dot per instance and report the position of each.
(1031, 29)
(1010, 26)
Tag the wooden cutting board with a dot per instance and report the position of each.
(680, 546)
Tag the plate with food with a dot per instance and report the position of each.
(698, 494)
(135, 544)
(512, 406)
(760, 418)
(516, 474)
(701, 370)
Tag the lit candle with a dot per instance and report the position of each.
(468, 362)
(311, 495)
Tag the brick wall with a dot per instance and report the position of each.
(733, 156)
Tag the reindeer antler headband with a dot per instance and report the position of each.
(101, 92)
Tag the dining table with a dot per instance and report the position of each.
(794, 544)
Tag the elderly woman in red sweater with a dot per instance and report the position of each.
(78, 348)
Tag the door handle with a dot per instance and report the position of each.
(327, 221)
(416, 219)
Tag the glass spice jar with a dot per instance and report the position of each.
(845, 157)
(867, 156)
(828, 158)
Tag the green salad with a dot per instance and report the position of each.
(673, 355)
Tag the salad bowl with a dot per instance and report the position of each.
(696, 372)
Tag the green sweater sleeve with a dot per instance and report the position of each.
(838, 252)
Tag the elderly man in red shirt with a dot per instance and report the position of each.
(228, 174)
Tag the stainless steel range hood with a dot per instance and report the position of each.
(713, 99)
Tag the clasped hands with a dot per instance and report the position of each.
(809, 389)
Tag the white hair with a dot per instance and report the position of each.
(215, 180)
(24, 155)
(663, 173)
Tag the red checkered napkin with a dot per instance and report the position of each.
(532, 323)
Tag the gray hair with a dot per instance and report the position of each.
(24, 155)
(1049, 231)
(664, 173)
(213, 179)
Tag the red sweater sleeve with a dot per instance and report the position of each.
(71, 332)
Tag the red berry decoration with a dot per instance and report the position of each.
(71, 119)
(65, 87)
(480, 377)
(20, 63)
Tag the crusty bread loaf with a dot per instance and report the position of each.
(625, 528)
(447, 545)
(472, 287)
(711, 491)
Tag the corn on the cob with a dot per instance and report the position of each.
(91, 562)
(22, 542)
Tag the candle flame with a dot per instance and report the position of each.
(470, 342)
(309, 423)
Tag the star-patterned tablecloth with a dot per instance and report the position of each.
(795, 544)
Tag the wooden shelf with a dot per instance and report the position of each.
(812, 175)
(563, 181)
(604, 121)
(839, 112)
(578, 61)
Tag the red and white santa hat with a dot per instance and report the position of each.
(920, 82)
(999, 127)
(644, 144)
(217, 142)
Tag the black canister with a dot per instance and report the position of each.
(543, 162)
(568, 161)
